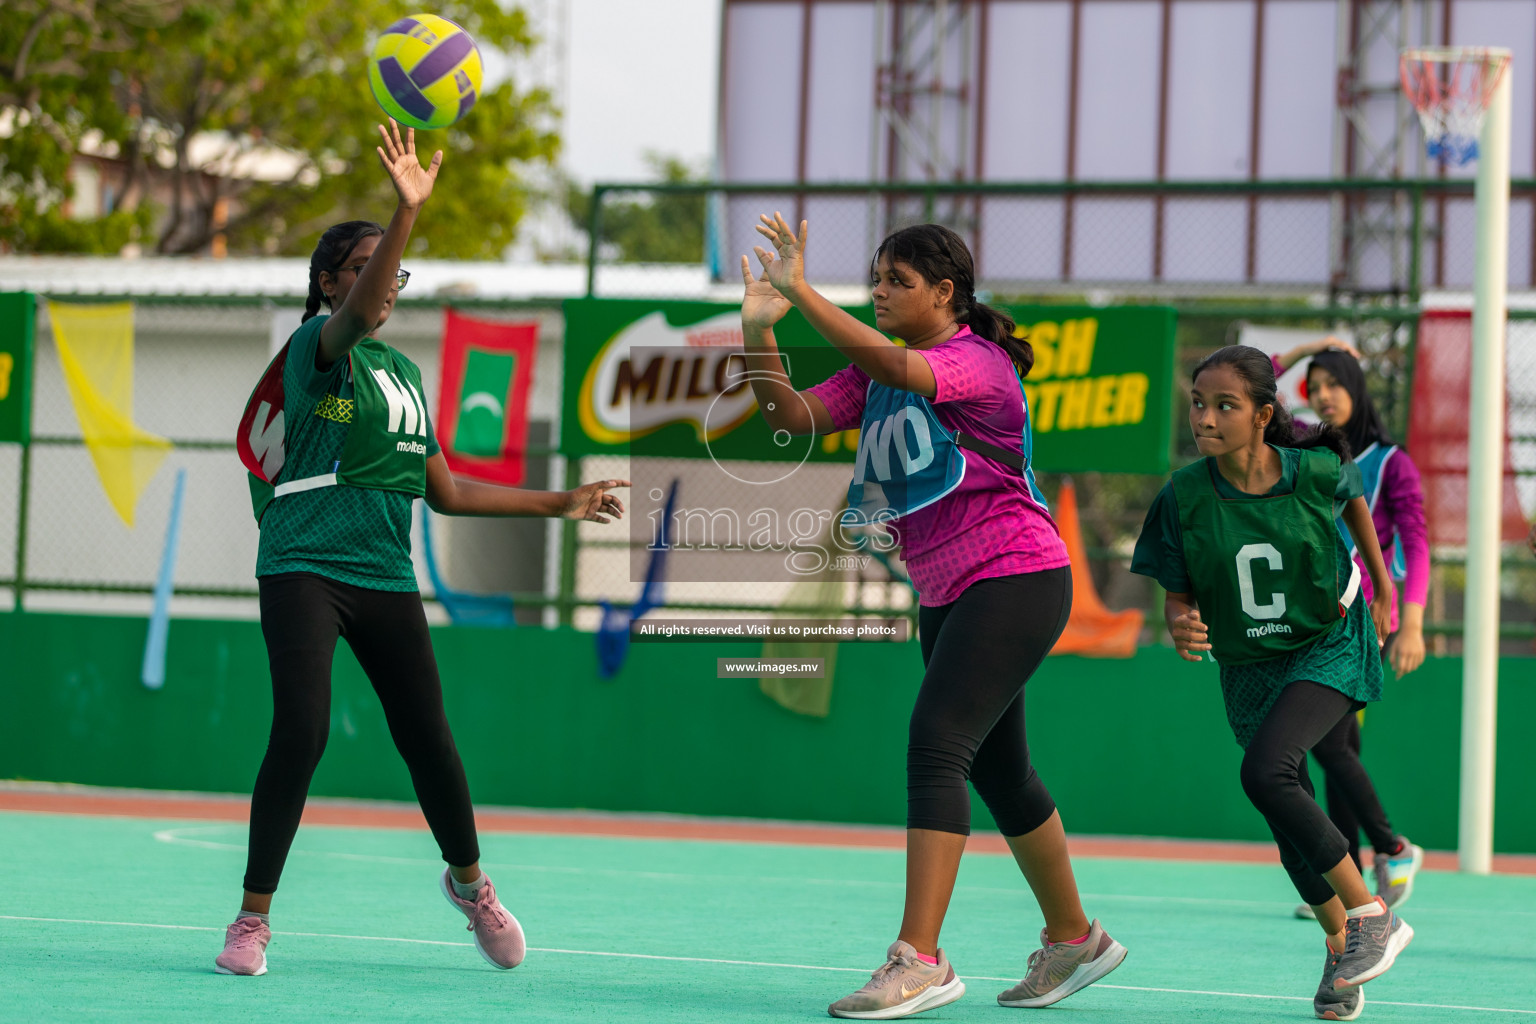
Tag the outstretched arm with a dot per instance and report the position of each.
(359, 314)
(453, 497)
(886, 363)
(1311, 348)
(1357, 516)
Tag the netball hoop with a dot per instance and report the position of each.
(1451, 87)
(1462, 96)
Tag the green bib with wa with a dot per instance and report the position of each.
(1265, 570)
(386, 446)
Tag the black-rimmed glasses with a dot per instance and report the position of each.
(401, 276)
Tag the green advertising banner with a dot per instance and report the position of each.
(18, 315)
(666, 379)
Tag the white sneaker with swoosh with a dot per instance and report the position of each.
(903, 985)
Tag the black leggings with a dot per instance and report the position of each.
(968, 722)
(302, 614)
(1275, 778)
(1352, 801)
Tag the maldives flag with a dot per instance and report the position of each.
(482, 403)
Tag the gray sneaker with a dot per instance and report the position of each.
(1330, 1003)
(1371, 946)
(903, 986)
(1395, 872)
(1305, 912)
(1058, 969)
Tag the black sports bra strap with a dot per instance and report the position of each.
(1012, 459)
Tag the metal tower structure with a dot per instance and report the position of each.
(1375, 137)
(928, 91)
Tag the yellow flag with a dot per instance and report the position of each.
(96, 351)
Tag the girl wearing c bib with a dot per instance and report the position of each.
(943, 462)
(1244, 542)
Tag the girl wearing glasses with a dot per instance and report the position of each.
(339, 444)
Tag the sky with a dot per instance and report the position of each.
(641, 75)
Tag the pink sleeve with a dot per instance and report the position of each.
(1403, 496)
(1274, 364)
(843, 394)
(967, 372)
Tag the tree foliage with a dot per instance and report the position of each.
(270, 78)
(664, 227)
(59, 85)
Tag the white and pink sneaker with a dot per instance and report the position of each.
(245, 947)
(498, 936)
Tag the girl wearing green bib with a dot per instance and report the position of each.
(1257, 574)
(338, 444)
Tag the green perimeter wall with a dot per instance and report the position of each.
(1136, 747)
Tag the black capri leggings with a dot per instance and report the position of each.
(302, 614)
(1275, 777)
(1352, 801)
(968, 722)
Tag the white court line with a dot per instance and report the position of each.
(179, 837)
(744, 963)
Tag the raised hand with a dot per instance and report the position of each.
(762, 306)
(1189, 635)
(413, 182)
(593, 502)
(784, 266)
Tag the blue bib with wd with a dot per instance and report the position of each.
(907, 459)
(1373, 463)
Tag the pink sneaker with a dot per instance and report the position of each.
(498, 936)
(245, 947)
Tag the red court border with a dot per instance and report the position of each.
(49, 799)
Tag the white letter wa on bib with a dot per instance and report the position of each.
(404, 404)
(875, 445)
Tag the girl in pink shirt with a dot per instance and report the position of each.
(943, 463)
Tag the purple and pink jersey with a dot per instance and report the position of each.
(1397, 512)
(990, 525)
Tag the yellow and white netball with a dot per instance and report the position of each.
(425, 71)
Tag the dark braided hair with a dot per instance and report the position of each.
(331, 253)
(1258, 375)
(938, 254)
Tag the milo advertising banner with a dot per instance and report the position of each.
(668, 379)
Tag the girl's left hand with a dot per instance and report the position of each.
(1381, 614)
(784, 267)
(1407, 651)
(413, 182)
(592, 502)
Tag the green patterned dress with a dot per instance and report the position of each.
(1345, 657)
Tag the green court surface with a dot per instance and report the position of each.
(119, 919)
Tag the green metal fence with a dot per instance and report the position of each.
(586, 567)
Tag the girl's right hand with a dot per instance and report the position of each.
(1189, 635)
(413, 182)
(762, 306)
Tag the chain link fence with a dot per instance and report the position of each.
(1230, 260)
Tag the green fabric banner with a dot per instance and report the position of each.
(659, 379)
(18, 315)
(482, 419)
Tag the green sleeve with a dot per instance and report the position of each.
(1351, 483)
(1160, 548)
(432, 446)
(299, 369)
